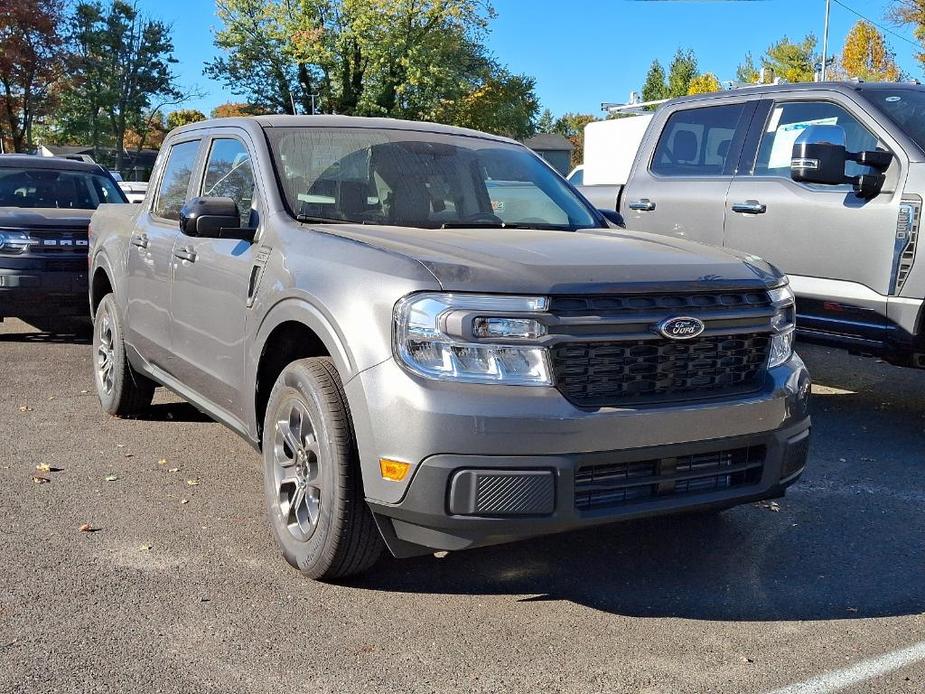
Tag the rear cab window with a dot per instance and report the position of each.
(698, 142)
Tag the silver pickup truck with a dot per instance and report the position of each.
(435, 342)
(717, 169)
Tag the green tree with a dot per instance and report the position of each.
(121, 72)
(681, 71)
(866, 56)
(792, 62)
(655, 88)
(31, 61)
(746, 72)
(546, 123)
(706, 83)
(184, 116)
(504, 104)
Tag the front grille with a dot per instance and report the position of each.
(620, 305)
(59, 242)
(597, 374)
(620, 484)
(607, 349)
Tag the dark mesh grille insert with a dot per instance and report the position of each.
(597, 374)
(603, 305)
(618, 484)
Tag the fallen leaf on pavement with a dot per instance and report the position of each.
(184, 501)
(25, 408)
(162, 461)
(192, 483)
(146, 547)
(769, 505)
(173, 469)
(86, 528)
(129, 455)
(43, 467)
(40, 480)
(111, 478)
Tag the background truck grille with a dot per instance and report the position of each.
(619, 484)
(59, 242)
(607, 350)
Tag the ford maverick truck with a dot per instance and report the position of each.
(435, 342)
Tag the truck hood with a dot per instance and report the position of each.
(562, 262)
(43, 218)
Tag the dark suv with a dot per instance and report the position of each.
(45, 208)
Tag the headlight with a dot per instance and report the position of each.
(472, 338)
(783, 325)
(14, 241)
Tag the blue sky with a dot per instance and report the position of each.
(583, 52)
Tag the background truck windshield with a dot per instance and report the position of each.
(905, 106)
(415, 179)
(47, 188)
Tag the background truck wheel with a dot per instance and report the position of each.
(123, 391)
(313, 488)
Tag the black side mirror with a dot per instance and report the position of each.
(819, 156)
(213, 218)
(613, 216)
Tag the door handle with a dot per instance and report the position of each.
(749, 207)
(140, 240)
(185, 254)
(642, 205)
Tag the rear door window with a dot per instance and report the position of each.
(697, 142)
(181, 160)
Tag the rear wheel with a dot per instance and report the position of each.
(123, 391)
(312, 482)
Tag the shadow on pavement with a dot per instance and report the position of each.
(173, 411)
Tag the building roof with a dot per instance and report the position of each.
(33, 161)
(549, 142)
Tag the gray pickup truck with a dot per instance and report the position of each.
(427, 359)
(716, 168)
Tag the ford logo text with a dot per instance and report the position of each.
(681, 328)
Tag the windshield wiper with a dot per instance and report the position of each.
(314, 219)
(507, 225)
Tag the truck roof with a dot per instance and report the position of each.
(770, 89)
(335, 121)
(34, 161)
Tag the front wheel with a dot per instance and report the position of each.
(123, 391)
(312, 482)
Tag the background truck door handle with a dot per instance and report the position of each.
(140, 240)
(749, 207)
(643, 205)
(185, 254)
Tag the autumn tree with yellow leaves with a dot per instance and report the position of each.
(866, 56)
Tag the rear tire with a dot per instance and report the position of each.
(312, 481)
(123, 391)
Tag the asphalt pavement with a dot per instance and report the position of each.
(178, 587)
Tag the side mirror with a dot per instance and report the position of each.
(213, 218)
(613, 216)
(819, 156)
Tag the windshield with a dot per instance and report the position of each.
(905, 106)
(47, 188)
(419, 179)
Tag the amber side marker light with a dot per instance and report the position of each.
(393, 469)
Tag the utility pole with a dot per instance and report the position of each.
(825, 38)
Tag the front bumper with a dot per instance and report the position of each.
(32, 287)
(445, 429)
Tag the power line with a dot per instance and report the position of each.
(879, 26)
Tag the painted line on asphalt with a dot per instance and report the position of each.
(859, 672)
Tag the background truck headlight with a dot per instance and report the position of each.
(475, 338)
(782, 323)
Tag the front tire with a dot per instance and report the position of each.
(123, 391)
(312, 482)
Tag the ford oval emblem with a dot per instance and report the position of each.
(681, 327)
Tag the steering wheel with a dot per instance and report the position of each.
(482, 217)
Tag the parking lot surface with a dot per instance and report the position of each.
(179, 587)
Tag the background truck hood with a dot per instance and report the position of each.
(43, 218)
(561, 262)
